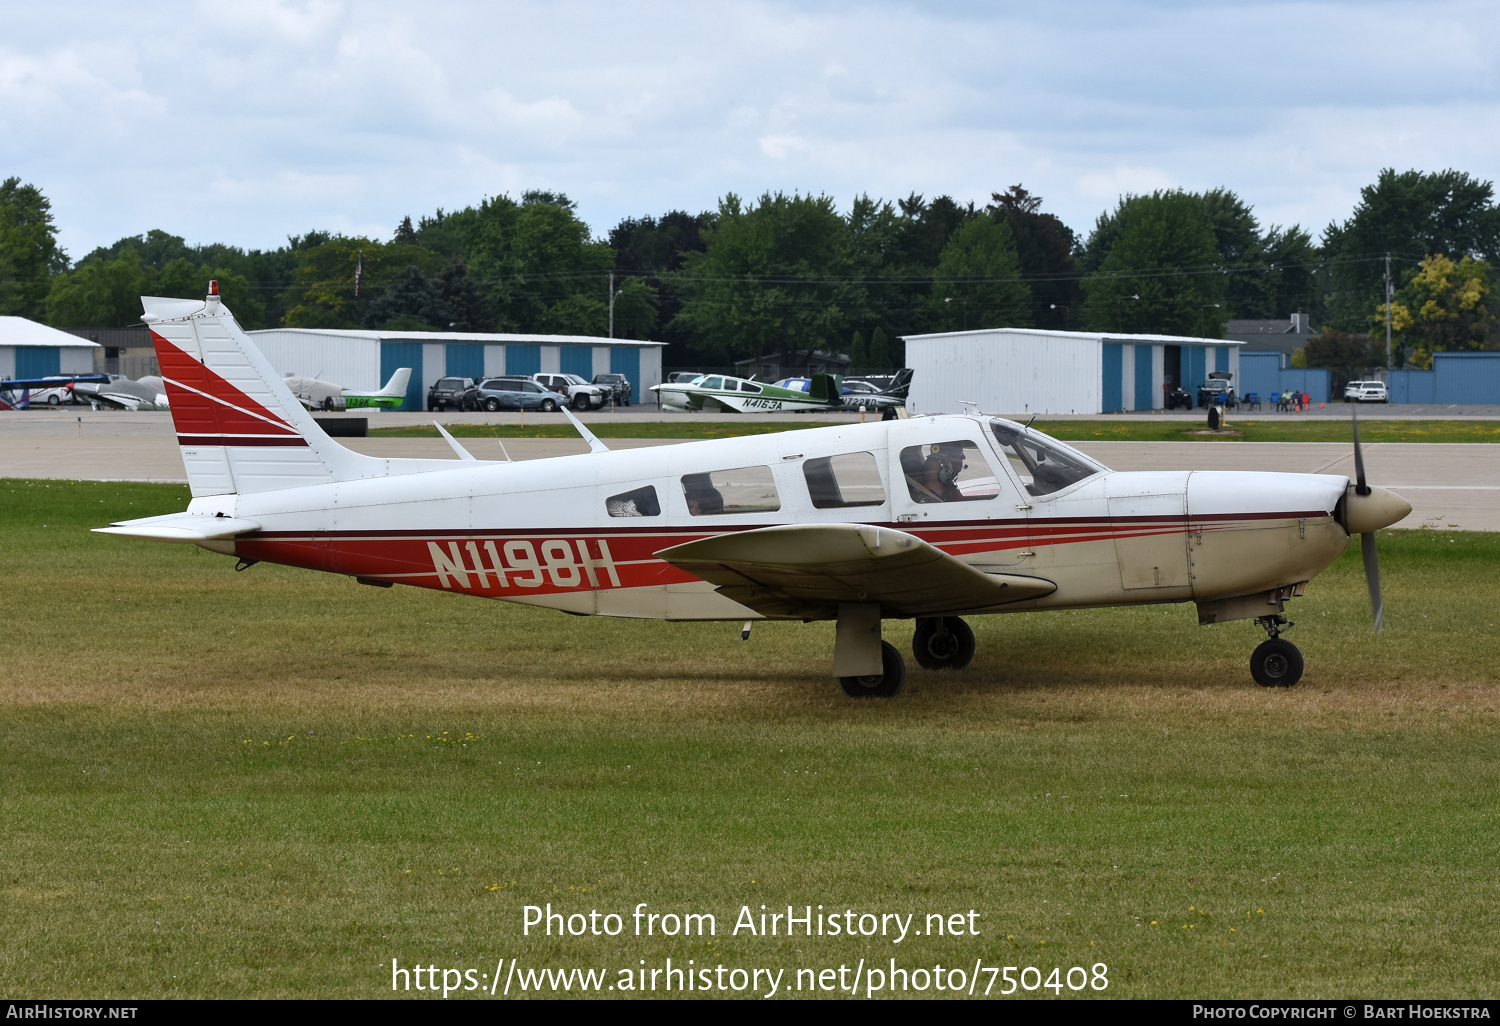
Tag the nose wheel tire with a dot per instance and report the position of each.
(943, 643)
(1276, 663)
(886, 684)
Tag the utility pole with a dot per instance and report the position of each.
(612, 302)
(1390, 356)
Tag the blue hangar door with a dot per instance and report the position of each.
(394, 355)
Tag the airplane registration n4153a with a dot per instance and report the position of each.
(929, 519)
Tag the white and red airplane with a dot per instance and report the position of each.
(929, 518)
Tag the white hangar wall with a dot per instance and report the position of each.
(1027, 370)
(363, 359)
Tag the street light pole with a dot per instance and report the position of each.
(965, 303)
(611, 304)
(1067, 314)
(1390, 356)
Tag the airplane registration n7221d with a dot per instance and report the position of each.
(929, 519)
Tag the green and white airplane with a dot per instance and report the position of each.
(325, 395)
(722, 392)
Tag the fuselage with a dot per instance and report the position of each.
(580, 533)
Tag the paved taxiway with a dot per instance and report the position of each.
(1449, 485)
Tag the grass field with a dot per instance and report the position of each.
(1112, 430)
(272, 782)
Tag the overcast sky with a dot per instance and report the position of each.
(246, 122)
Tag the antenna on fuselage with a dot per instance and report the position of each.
(588, 436)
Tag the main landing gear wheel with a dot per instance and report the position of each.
(1276, 663)
(886, 684)
(943, 643)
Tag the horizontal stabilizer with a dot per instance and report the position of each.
(181, 527)
(806, 571)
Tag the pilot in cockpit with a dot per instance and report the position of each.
(934, 480)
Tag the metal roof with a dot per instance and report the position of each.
(1097, 336)
(495, 338)
(18, 331)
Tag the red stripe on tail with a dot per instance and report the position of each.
(204, 404)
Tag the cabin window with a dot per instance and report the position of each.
(741, 490)
(640, 502)
(838, 482)
(1043, 464)
(746, 386)
(712, 382)
(953, 471)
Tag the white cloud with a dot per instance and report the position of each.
(248, 122)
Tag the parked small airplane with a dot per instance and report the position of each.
(738, 395)
(930, 519)
(325, 395)
(120, 393)
(53, 390)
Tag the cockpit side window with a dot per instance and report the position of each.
(711, 382)
(953, 471)
(1043, 464)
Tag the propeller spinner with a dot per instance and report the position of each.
(1363, 512)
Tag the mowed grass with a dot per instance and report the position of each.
(1174, 429)
(270, 783)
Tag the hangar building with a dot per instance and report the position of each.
(32, 350)
(1029, 370)
(366, 359)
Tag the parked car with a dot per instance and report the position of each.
(1218, 383)
(517, 393)
(455, 392)
(580, 393)
(618, 385)
(1371, 392)
(1352, 390)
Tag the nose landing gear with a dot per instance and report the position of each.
(1275, 663)
(886, 684)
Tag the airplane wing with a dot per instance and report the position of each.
(806, 570)
(181, 527)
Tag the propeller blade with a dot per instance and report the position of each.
(1372, 575)
(1360, 488)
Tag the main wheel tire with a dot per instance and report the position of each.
(1276, 664)
(549, 406)
(491, 404)
(886, 684)
(943, 643)
(580, 402)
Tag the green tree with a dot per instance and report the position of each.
(1161, 270)
(1408, 215)
(101, 294)
(1442, 307)
(1045, 248)
(977, 283)
(774, 278)
(537, 264)
(323, 286)
(880, 352)
(181, 280)
(29, 254)
(636, 308)
(859, 355)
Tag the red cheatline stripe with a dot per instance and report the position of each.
(239, 440)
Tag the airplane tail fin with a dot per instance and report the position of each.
(239, 426)
(397, 384)
(826, 387)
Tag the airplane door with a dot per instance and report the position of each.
(949, 488)
(1148, 514)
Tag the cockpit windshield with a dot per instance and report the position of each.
(1043, 464)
